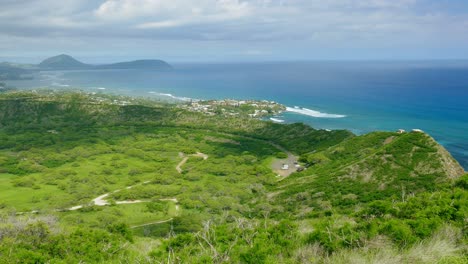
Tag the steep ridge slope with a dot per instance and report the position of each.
(362, 169)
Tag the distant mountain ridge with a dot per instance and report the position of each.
(67, 62)
(62, 62)
(137, 64)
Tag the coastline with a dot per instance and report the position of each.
(357, 123)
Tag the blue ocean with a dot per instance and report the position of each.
(359, 96)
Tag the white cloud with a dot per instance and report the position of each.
(250, 24)
(164, 13)
(383, 3)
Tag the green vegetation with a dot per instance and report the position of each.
(103, 179)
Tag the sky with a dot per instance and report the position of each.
(99, 31)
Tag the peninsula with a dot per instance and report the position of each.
(63, 62)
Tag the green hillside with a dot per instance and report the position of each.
(375, 166)
(66, 62)
(111, 179)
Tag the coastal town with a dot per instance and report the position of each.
(230, 107)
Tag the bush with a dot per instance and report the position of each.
(24, 181)
(157, 206)
(399, 231)
(462, 182)
(121, 229)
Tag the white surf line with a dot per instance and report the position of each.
(277, 120)
(179, 98)
(312, 113)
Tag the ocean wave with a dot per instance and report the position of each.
(60, 84)
(51, 77)
(186, 99)
(313, 113)
(276, 120)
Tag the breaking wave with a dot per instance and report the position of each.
(186, 99)
(313, 113)
(277, 120)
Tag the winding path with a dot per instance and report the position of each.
(101, 200)
(154, 223)
(185, 159)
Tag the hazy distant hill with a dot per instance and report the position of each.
(63, 62)
(12, 71)
(138, 64)
(66, 62)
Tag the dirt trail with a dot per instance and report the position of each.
(153, 223)
(185, 159)
(102, 201)
(178, 167)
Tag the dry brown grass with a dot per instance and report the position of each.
(443, 247)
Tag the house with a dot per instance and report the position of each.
(401, 131)
(417, 130)
(285, 167)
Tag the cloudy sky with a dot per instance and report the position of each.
(233, 30)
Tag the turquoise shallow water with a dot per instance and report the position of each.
(371, 95)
